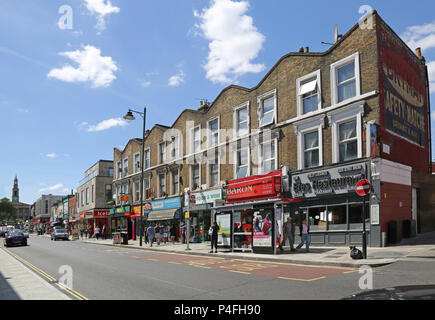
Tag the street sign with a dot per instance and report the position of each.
(363, 187)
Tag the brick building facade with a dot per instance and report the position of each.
(358, 110)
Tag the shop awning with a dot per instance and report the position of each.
(157, 215)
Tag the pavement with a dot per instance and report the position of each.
(17, 282)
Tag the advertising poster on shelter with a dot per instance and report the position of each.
(224, 234)
(263, 228)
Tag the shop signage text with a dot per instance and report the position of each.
(205, 196)
(335, 180)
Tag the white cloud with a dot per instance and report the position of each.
(145, 83)
(431, 75)
(52, 188)
(234, 40)
(51, 155)
(101, 8)
(92, 67)
(107, 124)
(422, 36)
(177, 79)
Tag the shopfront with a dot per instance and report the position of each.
(331, 205)
(120, 220)
(251, 219)
(200, 213)
(165, 213)
(135, 217)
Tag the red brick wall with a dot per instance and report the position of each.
(397, 56)
(396, 203)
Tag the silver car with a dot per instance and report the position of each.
(59, 234)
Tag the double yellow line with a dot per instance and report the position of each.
(49, 278)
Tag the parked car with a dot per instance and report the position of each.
(26, 233)
(415, 292)
(15, 238)
(59, 234)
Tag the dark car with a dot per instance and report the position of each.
(3, 231)
(15, 238)
(416, 292)
(59, 234)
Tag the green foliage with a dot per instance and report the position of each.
(7, 209)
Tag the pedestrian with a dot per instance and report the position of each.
(104, 232)
(86, 232)
(150, 231)
(158, 235)
(173, 233)
(81, 232)
(146, 235)
(304, 232)
(214, 237)
(288, 231)
(97, 232)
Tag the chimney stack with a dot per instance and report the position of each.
(419, 56)
(307, 49)
(301, 49)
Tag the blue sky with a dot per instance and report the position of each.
(64, 88)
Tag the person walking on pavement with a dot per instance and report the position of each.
(157, 231)
(173, 233)
(86, 232)
(150, 231)
(305, 235)
(81, 232)
(214, 237)
(288, 233)
(97, 232)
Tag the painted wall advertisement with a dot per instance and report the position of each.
(404, 93)
(224, 233)
(262, 229)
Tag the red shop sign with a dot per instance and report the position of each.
(255, 187)
(101, 213)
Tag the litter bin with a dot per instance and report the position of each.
(395, 231)
(409, 228)
(124, 236)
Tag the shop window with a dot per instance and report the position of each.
(355, 216)
(317, 218)
(337, 218)
(242, 228)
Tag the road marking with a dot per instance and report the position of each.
(306, 280)
(238, 271)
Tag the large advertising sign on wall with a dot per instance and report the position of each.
(404, 92)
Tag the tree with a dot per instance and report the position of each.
(7, 209)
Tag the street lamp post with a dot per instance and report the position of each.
(129, 116)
